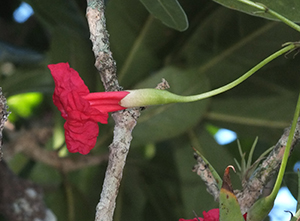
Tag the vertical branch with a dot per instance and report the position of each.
(3, 117)
(104, 63)
(125, 121)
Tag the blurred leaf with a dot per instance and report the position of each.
(264, 113)
(23, 104)
(291, 178)
(223, 61)
(67, 46)
(139, 42)
(152, 183)
(55, 199)
(291, 181)
(28, 80)
(69, 36)
(289, 9)
(169, 12)
(193, 190)
(81, 186)
(171, 119)
(18, 162)
(45, 175)
(132, 196)
(60, 13)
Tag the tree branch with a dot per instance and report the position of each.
(203, 170)
(252, 188)
(125, 121)
(21, 200)
(266, 170)
(104, 63)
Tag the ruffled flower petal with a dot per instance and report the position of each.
(81, 109)
(211, 215)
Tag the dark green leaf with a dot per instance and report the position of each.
(169, 12)
(63, 14)
(289, 9)
(193, 190)
(137, 41)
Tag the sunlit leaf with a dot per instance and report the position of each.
(23, 104)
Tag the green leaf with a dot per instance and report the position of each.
(23, 105)
(158, 123)
(169, 12)
(229, 206)
(289, 9)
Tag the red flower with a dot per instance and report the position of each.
(211, 215)
(80, 108)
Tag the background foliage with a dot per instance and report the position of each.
(218, 45)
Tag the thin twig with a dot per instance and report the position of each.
(104, 63)
(203, 170)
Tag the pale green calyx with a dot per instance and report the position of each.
(148, 97)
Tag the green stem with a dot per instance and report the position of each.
(273, 13)
(240, 79)
(286, 154)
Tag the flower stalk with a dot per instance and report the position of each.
(147, 97)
